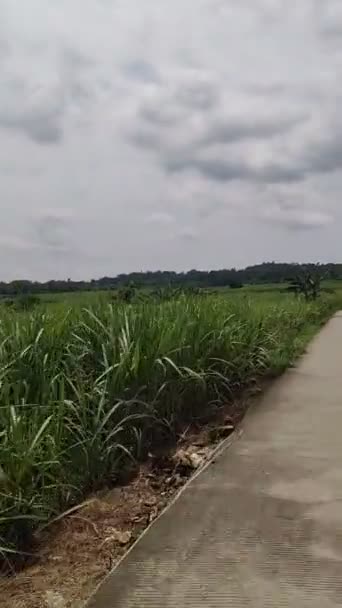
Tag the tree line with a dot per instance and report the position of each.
(270, 272)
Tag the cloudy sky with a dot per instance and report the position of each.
(146, 134)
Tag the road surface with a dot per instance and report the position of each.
(262, 525)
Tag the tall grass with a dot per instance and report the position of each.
(83, 392)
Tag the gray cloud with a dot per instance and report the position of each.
(39, 107)
(143, 71)
(268, 89)
(212, 124)
(160, 218)
(157, 116)
(237, 128)
(172, 105)
(325, 155)
(52, 232)
(328, 17)
(183, 124)
(76, 60)
(188, 234)
(53, 229)
(225, 171)
(48, 234)
(4, 48)
(331, 30)
(297, 219)
(145, 138)
(219, 144)
(198, 94)
(295, 206)
(42, 121)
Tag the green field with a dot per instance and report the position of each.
(88, 384)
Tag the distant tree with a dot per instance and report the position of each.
(127, 294)
(307, 283)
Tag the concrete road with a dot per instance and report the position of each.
(261, 526)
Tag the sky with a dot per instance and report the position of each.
(149, 134)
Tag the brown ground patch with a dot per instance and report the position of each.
(78, 551)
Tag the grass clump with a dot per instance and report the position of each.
(84, 392)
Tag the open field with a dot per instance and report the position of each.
(89, 384)
(89, 297)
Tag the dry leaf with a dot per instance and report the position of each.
(117, 536)
(189, 459)
(196, 460)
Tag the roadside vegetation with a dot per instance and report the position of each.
(87, 390)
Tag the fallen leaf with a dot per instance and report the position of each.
(117, 536)
(188, 459)
(124, 537)
(196, 460)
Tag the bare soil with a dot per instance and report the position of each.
(76, 553)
